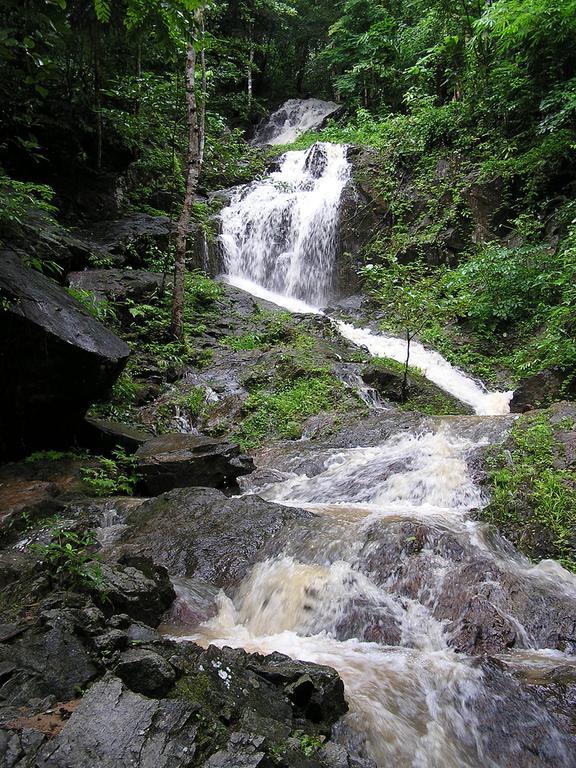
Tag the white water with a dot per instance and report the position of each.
(412, 699)
(279, 239)
(434, 367)
(291, 120)
(281, 233)
(414, 702)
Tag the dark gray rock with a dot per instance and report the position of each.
(56, 359)
(49, 660)
(135, 587)
(102, 436)
(118, 284)
(116, 728)
(201, 532)
(145, 672)
(126, 240)
(537, 391)
(181, 461)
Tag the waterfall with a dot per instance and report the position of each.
(293, 118)
(281, 233)
(394, 539)
(279, 240)
(413, 700)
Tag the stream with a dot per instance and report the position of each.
(373, 590)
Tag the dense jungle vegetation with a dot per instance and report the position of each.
(453, 97)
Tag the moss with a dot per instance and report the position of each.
(423, 396)
(281, 413)
(533, 492)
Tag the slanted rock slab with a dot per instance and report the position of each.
(182, 461)
(56, 359)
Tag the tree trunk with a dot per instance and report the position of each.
(203, 95)
(97, 98)
(192, 175)
(406, 368)
(250, 69)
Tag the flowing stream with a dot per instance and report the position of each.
(369, 590)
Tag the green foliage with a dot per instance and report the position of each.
(113, 475)
(69, 558)
(281, 413)
(18, 199)
(101, 309)
(533, 499)
(51, 456)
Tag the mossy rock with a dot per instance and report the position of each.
(386, 377)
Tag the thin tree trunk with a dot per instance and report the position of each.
(192, 175)
(250, 69)
(98, 99)
(203, 95)
(406, 368)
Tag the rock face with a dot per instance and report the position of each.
(125, 240)
(227, 708)
(537, 391)
(56, 360)
(136, 587)
(117, 284)
(181, 461)
(200, 532)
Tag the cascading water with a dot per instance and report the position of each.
(291, 120)
(413, 700)
(279, 239)
(281, 234)
(394, 542)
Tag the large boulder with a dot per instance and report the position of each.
(180, 461)
(537, 391)
(135, 587)
(56, 360)
(117, 284)
(201, 532)
(126, 240)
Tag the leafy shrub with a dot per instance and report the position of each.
(18, 199)
(115, 475)
(101, 309)
(533, 500)
(69, 558)
(281, 413)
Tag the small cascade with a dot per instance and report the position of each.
(281, 233)
(384, 586)
(434, 367)
(413, 700)
(292, 119)
(279, 240)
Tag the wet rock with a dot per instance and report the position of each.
(485, 202)
(118, 284)
(387, 380)
(201, 532)
(103, 436)
(537, 391)
(135, 587)
(113, 640)
(144, 671)
(116, 728)
(50, 660)
(270, 695)
(487, 608)
(125, 240)
(525, 723)
(56, 360)
(180, 461)
(22, 501)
